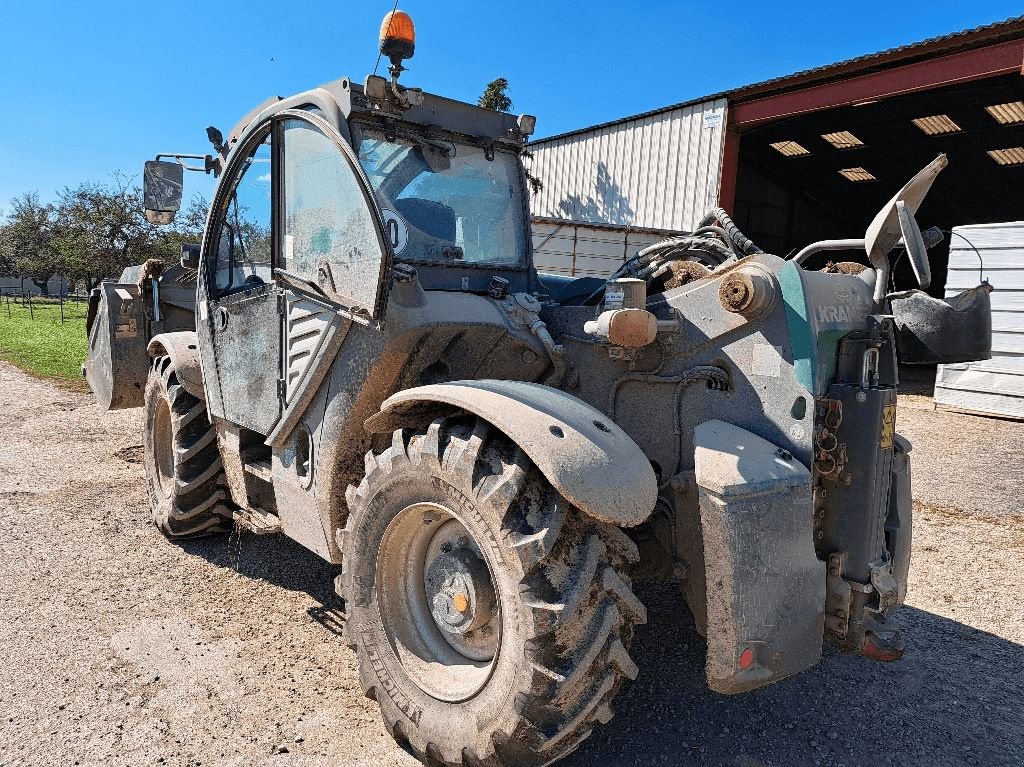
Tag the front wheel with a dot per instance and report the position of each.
(491, 619)
(184, 472)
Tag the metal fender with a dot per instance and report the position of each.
(765, 585)
(586, 457)
(183, 349)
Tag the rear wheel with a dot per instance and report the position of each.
(491, 619)
(184, 474)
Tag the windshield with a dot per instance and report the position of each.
(443, 201)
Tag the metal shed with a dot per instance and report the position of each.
(814, 154)
(995, 386)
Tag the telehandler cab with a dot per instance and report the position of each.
(360, 355)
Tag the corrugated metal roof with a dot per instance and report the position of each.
(1010, 29)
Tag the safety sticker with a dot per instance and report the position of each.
(888, 426)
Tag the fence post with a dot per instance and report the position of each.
(31, 313)
(62, 308)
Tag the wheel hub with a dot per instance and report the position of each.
(459, 591)
(438, 601)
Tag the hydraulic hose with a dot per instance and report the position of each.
(744, 244)
(715, 240)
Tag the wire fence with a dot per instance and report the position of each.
(63, 308)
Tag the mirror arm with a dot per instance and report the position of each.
(210, 165)
(823, 245)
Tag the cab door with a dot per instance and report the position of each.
(239, 313)
(334, 256)
(296, 254)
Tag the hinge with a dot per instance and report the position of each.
(281, 303)
(280, 389)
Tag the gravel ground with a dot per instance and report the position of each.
(123, 649)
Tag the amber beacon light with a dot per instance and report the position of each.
(397, 37)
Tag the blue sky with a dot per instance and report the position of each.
(93, 88)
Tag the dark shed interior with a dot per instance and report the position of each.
(824, 174)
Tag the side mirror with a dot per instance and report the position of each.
(161, 190)
(913, 241)
(885, 230)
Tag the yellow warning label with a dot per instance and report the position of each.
(888, 426)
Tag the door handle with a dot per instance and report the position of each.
(222, 318)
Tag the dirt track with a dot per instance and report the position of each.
(120, 648)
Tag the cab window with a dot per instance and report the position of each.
(330, 232)
(244, 239)
(446, 201)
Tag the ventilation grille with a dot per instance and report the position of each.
(1007, 114)
(307, 324)
(856, 174)
(842, 140)
(937, 125)
(1012, 156)
(790, 149)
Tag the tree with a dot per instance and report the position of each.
(94, 231)
(27, 240)
(102, 229)
(495, 96)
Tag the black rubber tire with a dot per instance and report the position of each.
(567, 614)
(188, 495)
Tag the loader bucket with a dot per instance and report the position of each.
(118, 364)
(934, 330)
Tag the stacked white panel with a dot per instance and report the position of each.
(995, 386)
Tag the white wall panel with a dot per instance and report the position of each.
(659, 171)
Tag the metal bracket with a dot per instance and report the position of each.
(837, 597)
(829, 455)
(886, 586)
(257, 521)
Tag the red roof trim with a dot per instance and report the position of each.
(973, 64)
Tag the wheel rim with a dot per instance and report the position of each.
(438, 602)
(163, 447)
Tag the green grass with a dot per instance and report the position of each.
(43, 345)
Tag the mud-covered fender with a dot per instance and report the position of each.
(765, 585)
(586, 457)
(183, 349)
